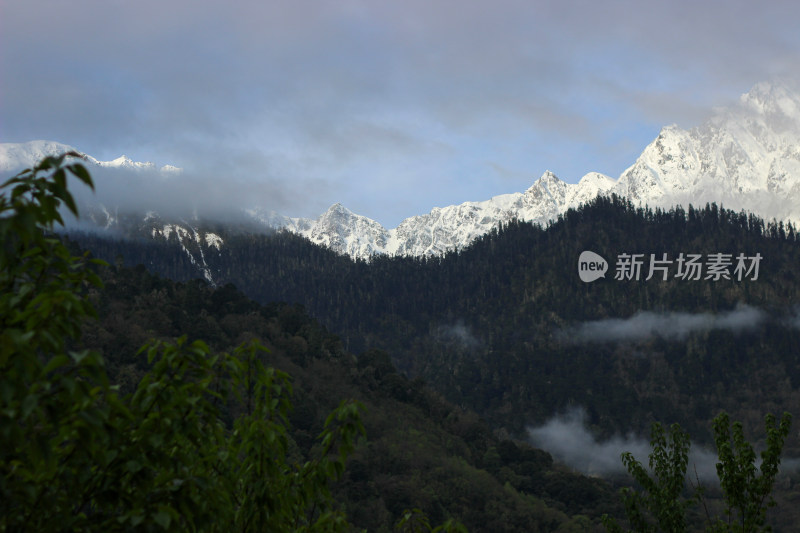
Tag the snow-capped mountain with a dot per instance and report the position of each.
(193, 240)
(17, 156)
(745, 157)
(444, 228)
(337, 228)
(188, 234)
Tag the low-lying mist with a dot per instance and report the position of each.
(180, 194)
(668, 325)
(459, 334)
(567, 438)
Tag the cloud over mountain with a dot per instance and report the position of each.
(745, 157)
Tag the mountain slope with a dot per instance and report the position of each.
(420, 452)
(507, 327)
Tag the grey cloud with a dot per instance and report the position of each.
(567, 438)
(327, 90)
(677, 326)
(458, 333)
(455, 60)
(211, 195)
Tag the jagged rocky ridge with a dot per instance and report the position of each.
(745, 157)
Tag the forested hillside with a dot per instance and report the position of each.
(504, 336)
(420, 450)
(497, 326)
(117, 415)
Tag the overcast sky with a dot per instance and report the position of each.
(389, 107)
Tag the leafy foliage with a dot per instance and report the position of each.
(660, 504)
(415, 521)
(77, 455)
(748, 493)
(662, 495)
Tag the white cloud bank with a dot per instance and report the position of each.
(671, 325)
(567, 438)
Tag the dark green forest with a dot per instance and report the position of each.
(420, 451)
(452, 359)
(489, 326)
(116, 416)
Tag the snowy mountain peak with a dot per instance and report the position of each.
(344, 231)
(338, 210)
(17, 156)
(545, 180)
(745, 157)
(171, 169)
(548, 176)
(597, 180)
(121, 160)
(771, 99)
(126, 162)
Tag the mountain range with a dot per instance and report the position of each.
(745, 157)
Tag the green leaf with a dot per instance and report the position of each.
(56, 362)
(80, 172)
(28, 405)
(162, 518)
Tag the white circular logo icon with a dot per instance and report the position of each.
(591, 266)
